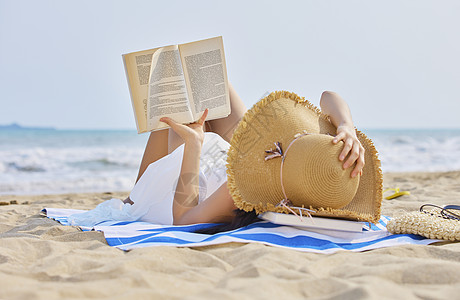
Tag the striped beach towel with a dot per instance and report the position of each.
(131, 235)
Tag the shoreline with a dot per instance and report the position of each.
(419, 184)
(105, 191)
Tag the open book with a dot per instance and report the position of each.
(178, 81)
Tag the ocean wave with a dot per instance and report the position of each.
(52, 165)
(68, 159)
(102, 163)
(23, 168)
(429, 152)
(402, 140)
(67, 183)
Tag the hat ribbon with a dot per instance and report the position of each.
(278, 152)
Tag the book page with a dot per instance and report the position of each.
(137, 68)
(167, 90)
(206, 77)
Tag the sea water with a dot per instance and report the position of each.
(62, 161)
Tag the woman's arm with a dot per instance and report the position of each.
(186, 210)
(187, 189)
(219, 207)
(333, 105)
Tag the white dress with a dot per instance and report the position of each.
(153, 194)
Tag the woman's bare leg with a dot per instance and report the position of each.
(159, 144)
(225, 126)
(156, 148)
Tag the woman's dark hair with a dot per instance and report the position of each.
(242, 218)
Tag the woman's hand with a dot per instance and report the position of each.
(352, 148)
(339, 112)
(191, 132)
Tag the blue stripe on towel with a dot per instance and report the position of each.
(130, 235)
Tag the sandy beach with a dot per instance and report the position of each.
(41, 259)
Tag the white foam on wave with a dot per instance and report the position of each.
(66, 159)
(68, 184)
(418, 152)
(58, 170)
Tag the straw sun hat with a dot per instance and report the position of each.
(281, 157)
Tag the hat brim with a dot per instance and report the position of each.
(278, 117)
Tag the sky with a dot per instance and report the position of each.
(396, 63)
